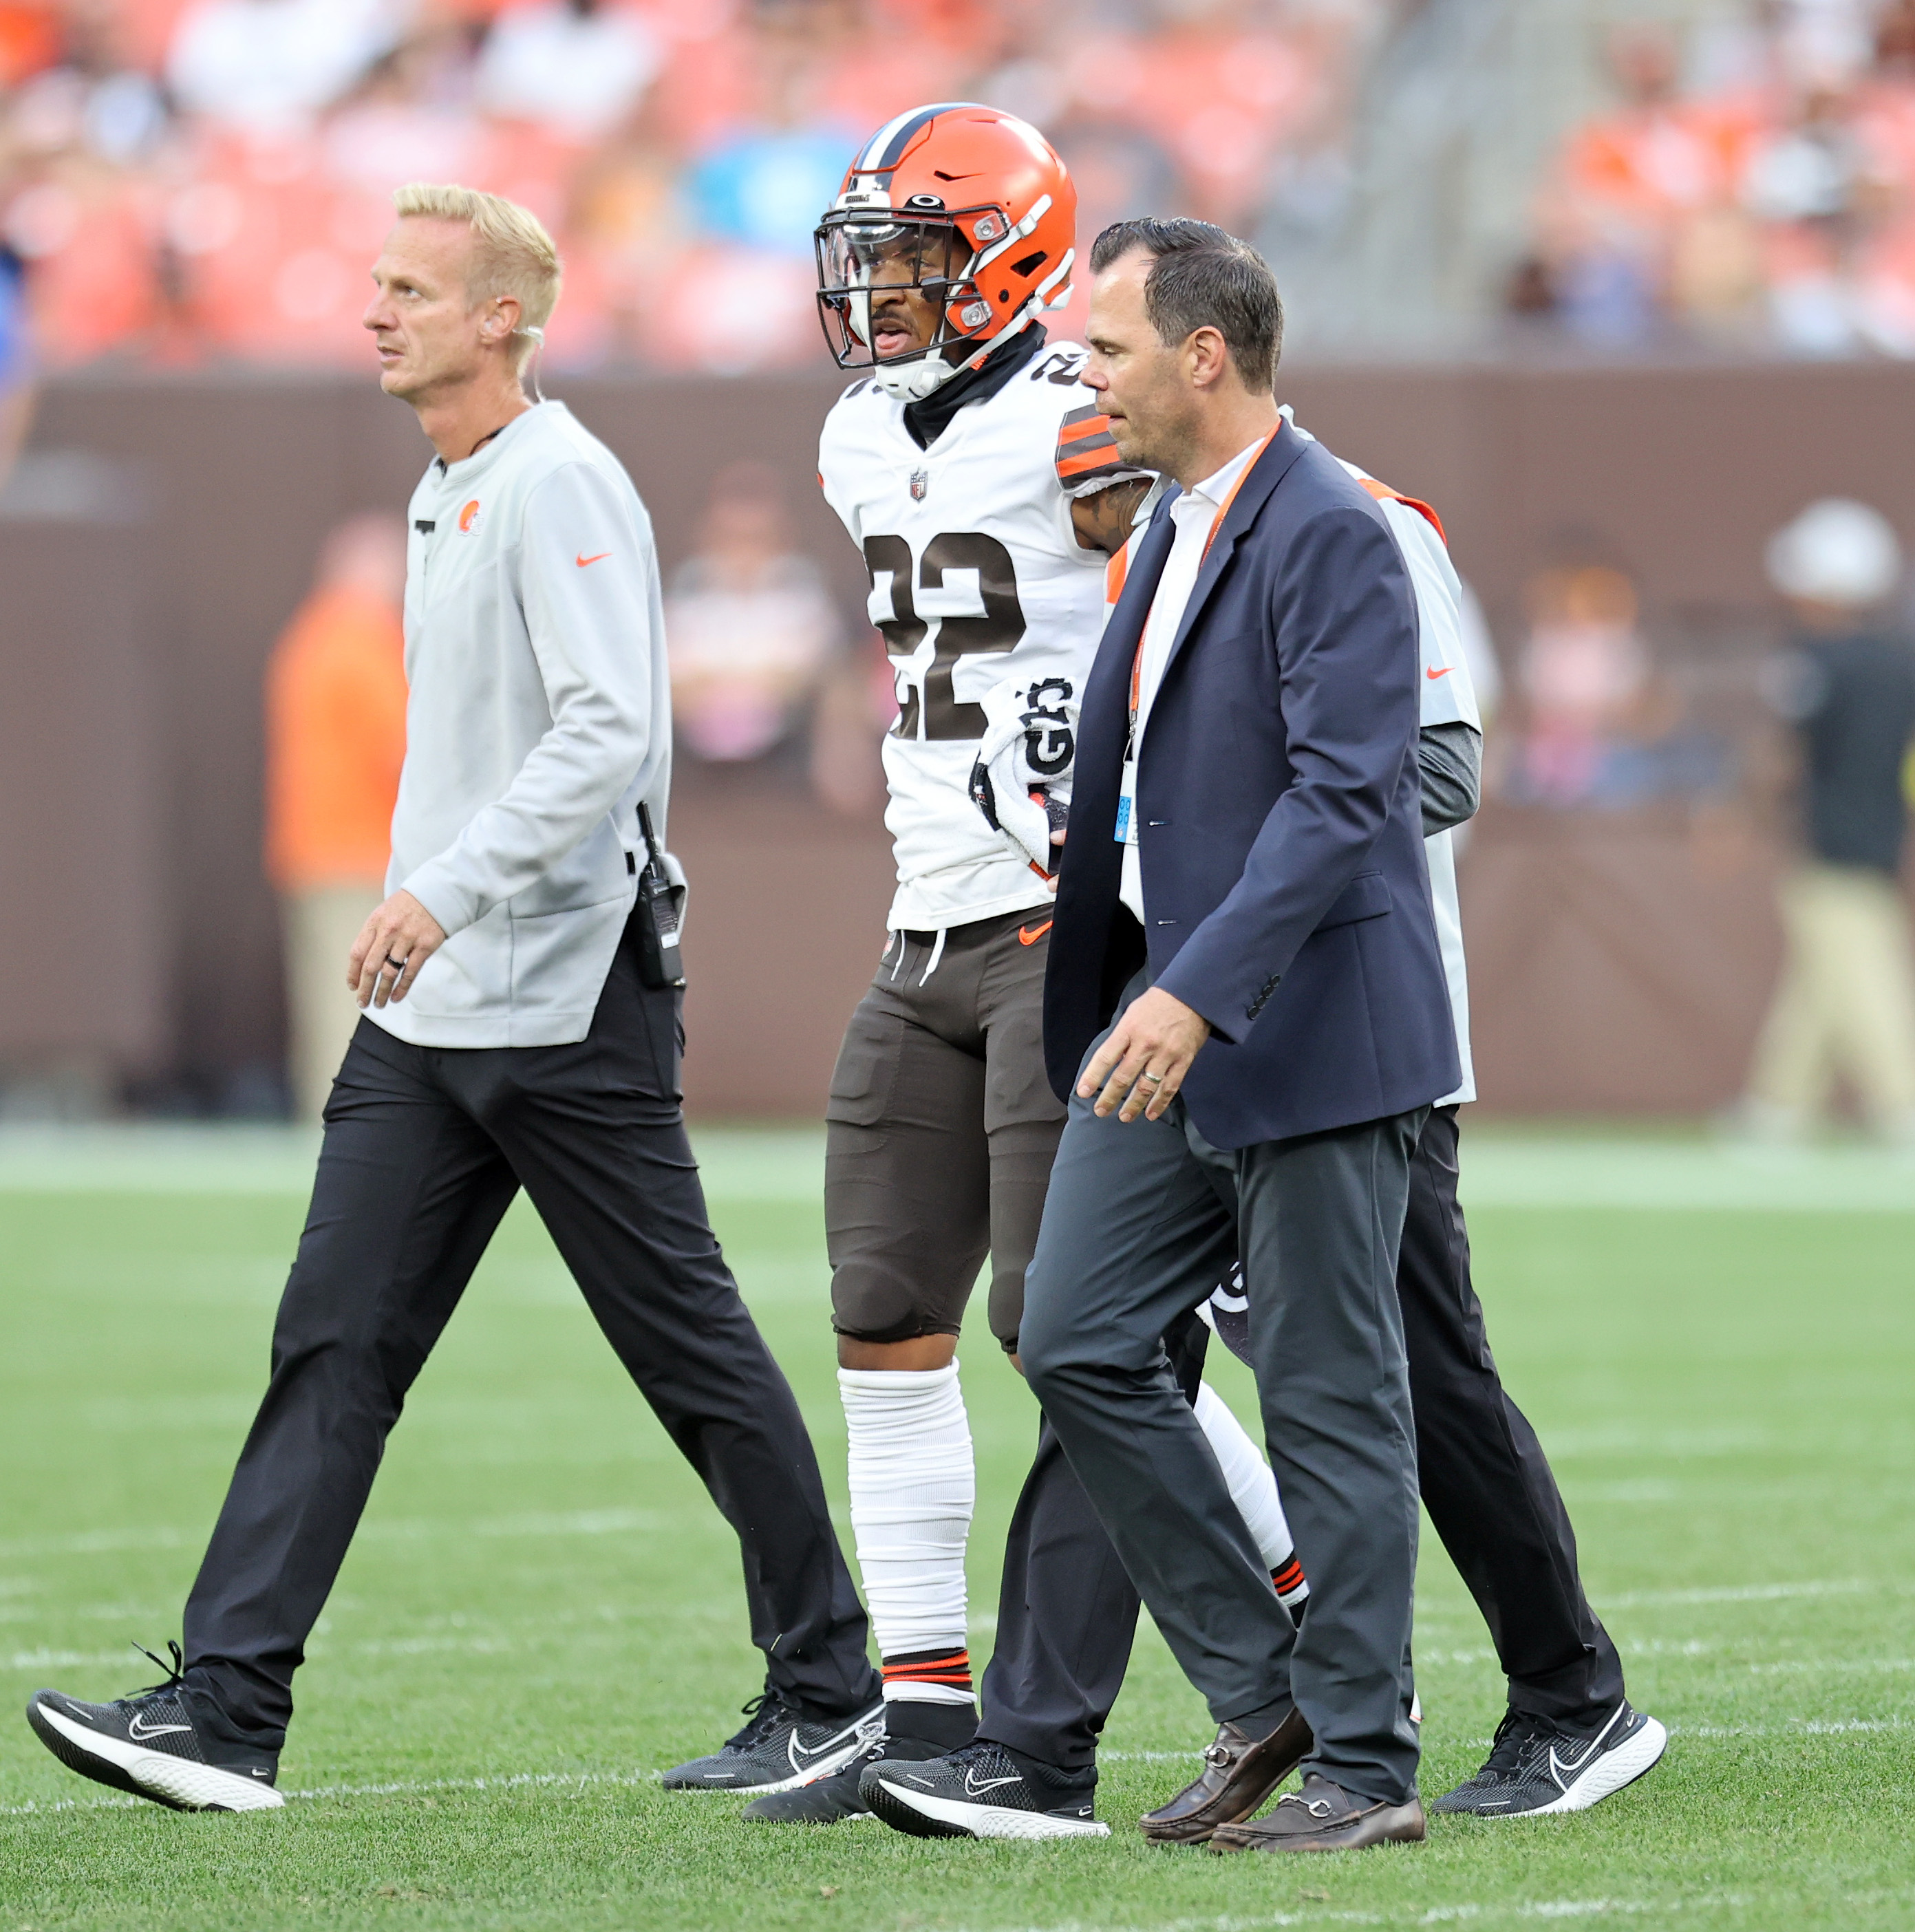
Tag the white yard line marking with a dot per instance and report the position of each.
(1798, 1727)
(62, 1660)
(94, 1543)
(1741, 1593)
(1467, 1913)
(508, 1781)
(1478, 1912)
(400, 1646)
(579, 1522)
(1817, 1667)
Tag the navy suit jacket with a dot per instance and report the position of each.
(1280, 830)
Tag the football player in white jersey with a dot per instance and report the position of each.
(978, 478)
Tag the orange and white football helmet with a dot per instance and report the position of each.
(976, 208)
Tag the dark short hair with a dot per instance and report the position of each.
(1203, 276)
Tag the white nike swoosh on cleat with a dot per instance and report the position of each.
(133, 1730)
(1566, 1773)
(978, 1790)
(802, 1758)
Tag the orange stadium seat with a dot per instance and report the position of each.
(1665, 159)
(274, 254)
(90, 245)
(29, 40)
(146, 28)
(1224, 104)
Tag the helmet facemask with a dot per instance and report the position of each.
(863, 252)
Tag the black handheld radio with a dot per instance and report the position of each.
(658, 914)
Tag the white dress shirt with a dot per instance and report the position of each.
(1194, 513)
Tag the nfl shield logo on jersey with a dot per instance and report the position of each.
(921, 481)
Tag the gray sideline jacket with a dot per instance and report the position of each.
(539, 716)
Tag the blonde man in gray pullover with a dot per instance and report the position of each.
(520, 1029)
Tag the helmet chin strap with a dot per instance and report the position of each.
(912, 382)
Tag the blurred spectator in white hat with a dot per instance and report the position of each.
(270, 65)
(1845, 1007)
(577, 67)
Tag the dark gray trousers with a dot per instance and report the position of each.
(1141, 1222)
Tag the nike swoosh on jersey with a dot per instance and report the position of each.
(1434, 675)
(583, 561)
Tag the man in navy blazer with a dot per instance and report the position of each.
(1246, 1008)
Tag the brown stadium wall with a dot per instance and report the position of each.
(1620, 961)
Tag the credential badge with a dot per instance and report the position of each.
(921, 481)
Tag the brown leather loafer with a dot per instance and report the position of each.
(1237, 1775)
(1324, 1817)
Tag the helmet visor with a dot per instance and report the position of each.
(873, 266)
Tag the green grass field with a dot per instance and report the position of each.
(542, 1608)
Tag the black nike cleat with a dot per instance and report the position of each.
(980, 1792)
(1537, 1766)
(779, 1749)
(149, 1744)
(834, 1800)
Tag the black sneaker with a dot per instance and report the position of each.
(825, 1801)
(1536, 1765)
(779, 1749)
(980, 1792)
(149, 1744)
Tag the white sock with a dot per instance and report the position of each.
(1252, 1485)
(914, 1485)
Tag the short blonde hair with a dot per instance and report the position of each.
(512, 256)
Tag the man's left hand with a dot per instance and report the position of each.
(393, 944)
(1143, 1063)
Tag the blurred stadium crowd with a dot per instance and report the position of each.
(181, 179)
(1755, 186)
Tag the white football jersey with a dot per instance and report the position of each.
(977, 578)
(1448, 697)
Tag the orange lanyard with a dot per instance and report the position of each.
(1216, 524)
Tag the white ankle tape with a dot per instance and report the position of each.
(914, 1485)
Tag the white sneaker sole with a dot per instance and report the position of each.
(992, 1821)
(172, 1781)
(1606, 1776)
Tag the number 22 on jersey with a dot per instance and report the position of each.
(959, 569)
